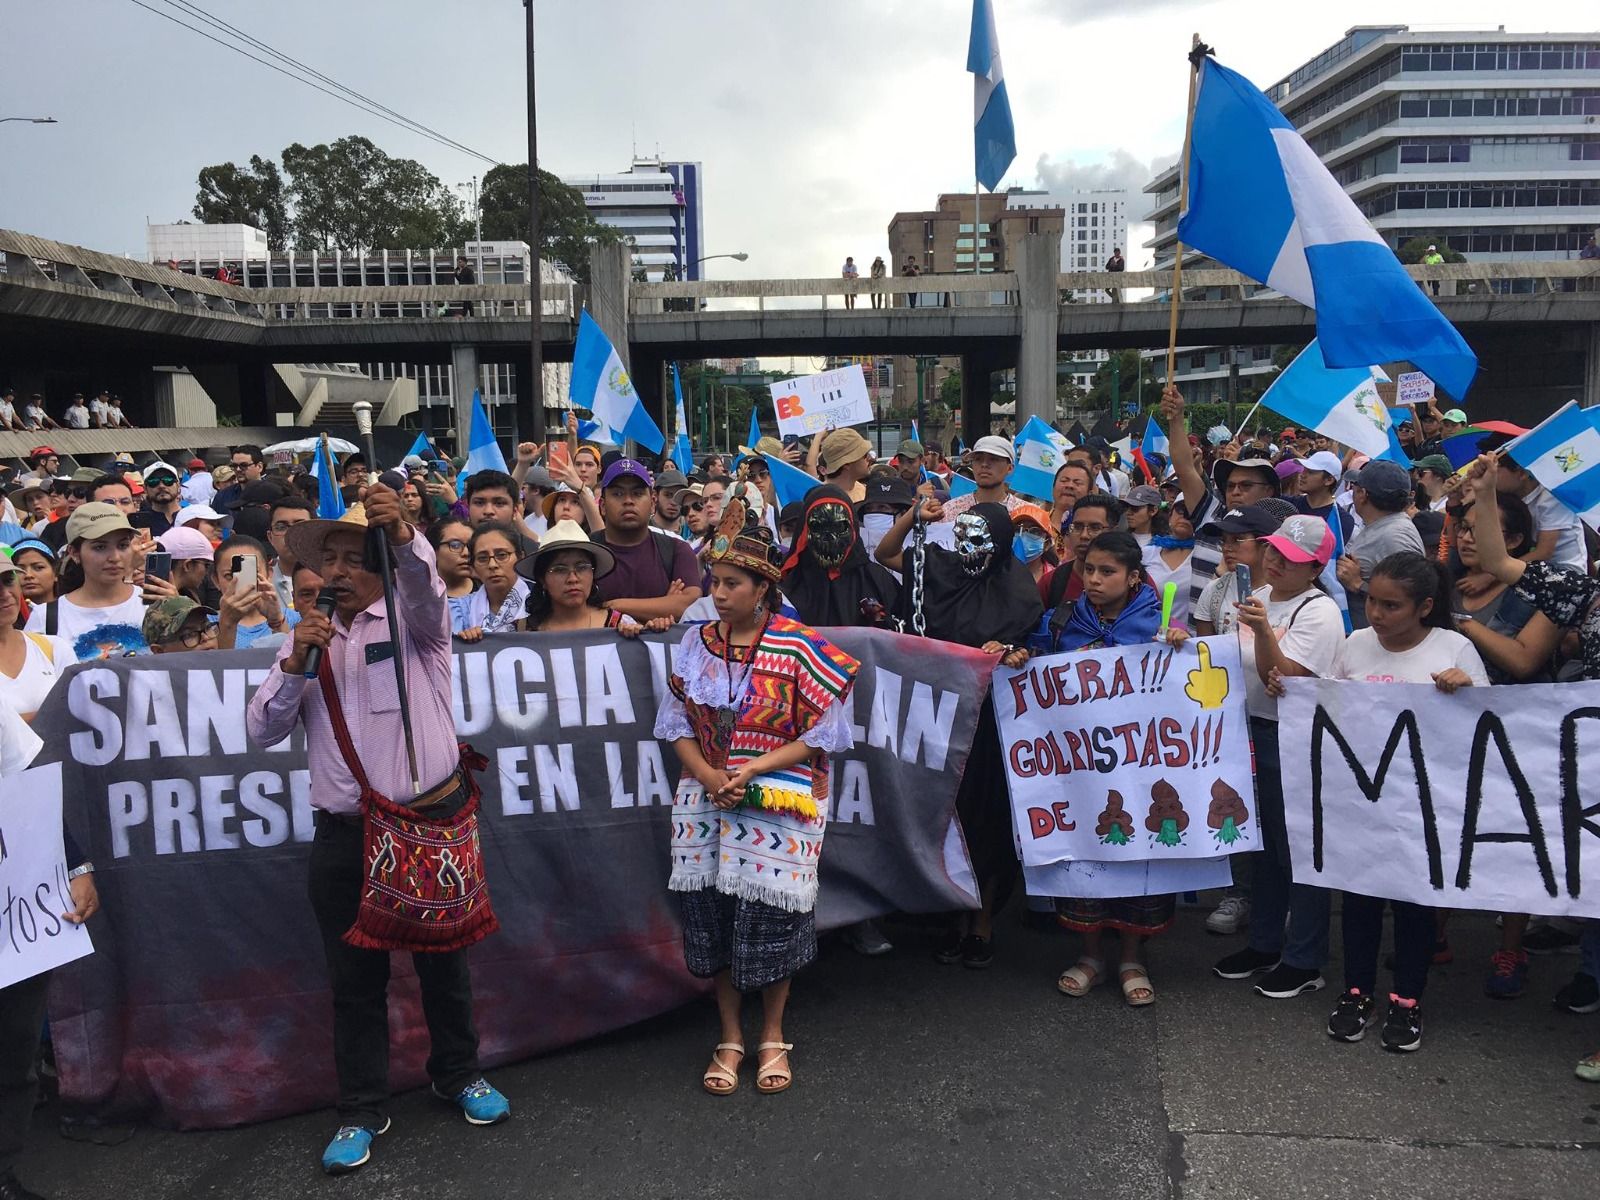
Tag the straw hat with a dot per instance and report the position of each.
(303, 542)
(564, 535)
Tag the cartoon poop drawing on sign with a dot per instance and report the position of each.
(1226, 814)
(1167, 820)
(1115, 826)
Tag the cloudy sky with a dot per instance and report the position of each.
(815, 119)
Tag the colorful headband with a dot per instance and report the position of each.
(749, 547)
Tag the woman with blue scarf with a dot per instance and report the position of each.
(1166, 558)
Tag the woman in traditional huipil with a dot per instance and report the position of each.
(754, 708)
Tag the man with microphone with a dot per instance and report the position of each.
(350, 628)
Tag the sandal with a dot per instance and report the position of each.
(770, 1069)
(1136, 979)
(1589, 1068)
(718, 1073)
(1078, 979)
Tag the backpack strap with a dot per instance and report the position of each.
(666, 551)
(46, 646)
(341, 730)
(52, 618)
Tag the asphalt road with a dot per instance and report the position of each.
(920, 1081)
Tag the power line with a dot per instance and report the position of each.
(368, 108)
(218, 23)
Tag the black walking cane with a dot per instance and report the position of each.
(378, 558)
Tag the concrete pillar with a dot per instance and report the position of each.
(464, 379)
(256, 382)
(1591, 367)
(977, 370)
(1037, 262)
(610, 271)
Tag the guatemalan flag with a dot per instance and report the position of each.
(994, 141)
(1040, 452)
(1338, 402)
(1261, 202)
(600, 384)
(682, 451)
(483, 450)
(330, 501)
(1563, 453)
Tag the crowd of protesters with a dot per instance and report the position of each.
(1455, 578)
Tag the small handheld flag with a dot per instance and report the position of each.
(682, 450)
(483, 451)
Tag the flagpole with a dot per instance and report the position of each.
(1196, 54)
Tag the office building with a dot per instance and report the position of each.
(1484, 142)
(658, 206)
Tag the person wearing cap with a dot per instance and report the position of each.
(667, 515)
(44, 463)
(990, 461)
(358, 645)
(97, 611)
(204, 518)
(1433, 472)
(35, 417)
(1288, 627)
(845, 460)
(177, 625)
(192, 556)
(37, 570)
(656, 575)
(537, 483)
(1141, 506)
(1453, 422)
(1320, 473)
(908, 461)
(30, 663)
(201, 486)
(9, 422)
(76, 415)
(1433, 259)
(1289, 472)
(161, 501)
(1240, 532)
(1381, 496)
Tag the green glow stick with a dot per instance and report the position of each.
(1169, 594)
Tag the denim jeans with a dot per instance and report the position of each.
(360, 981)
(1274, 894)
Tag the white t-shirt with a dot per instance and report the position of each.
(97, 632)
(1216, 603)
(8, 412)
(1309, 629)
(115, 417)
(1362, 659)
(1550, 513)
(199, 489)
(1159, 575)
(18, 742)
(33, 416)
(38, 675)
(77, 417)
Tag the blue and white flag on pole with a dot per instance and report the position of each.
(994, 140)
(1040, 452)
(682, 451)
(1338, 402)
(1154, 441)
(789, 482)
(330, 501)
(421, 448)
(483, 452)
(1330, 573)
(1262, 202)
(960, 486)
(1563, 453)
(600, 384)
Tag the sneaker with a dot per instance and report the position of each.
(1547, 939)
(1284, 982)
(948, 951)
(865, 937)
(1232, 915)
(1582, 995)
(1352, 1016)
(1508, 973)
(1402, 1028)
(350, 1148)
(480, 1102)
(1242, 964)
(976, 952)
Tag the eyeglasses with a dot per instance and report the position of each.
(493, 556)
(455, 544)
(284, 526)
(571, 570)
(79, 493)
(1238, 539)
(194, 637)
(1090, 527)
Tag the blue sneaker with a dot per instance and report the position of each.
(480, 1102)
(1508, 973)
(350, 1148)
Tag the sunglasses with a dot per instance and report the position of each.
(697, 506)
(162, 480)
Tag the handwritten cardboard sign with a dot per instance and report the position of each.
(1128, 754)
(829, 400)
(34, 934)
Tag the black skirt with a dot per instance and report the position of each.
(983, 806)
(761, 944)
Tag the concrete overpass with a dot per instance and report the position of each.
(1535, 326)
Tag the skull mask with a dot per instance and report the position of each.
(974, 543)
(830, 532)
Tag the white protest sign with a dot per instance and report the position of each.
(1133, 753)
(1476, 800)
(1413, 387)
(830, 400)
(34, 936)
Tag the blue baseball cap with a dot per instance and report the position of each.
(627, 466)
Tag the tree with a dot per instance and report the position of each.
(1414, 249)
(230, 194)
(1127, 379)
(350, 195)
(566, 228)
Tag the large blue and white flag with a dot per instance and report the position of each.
(600, 384)
(1563, 453)
(1262, 202)
(1338, 402)
(682, 450)
(483, 452)
(994, 140)
(1040, 452)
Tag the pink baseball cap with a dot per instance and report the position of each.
(1303, 539)
(184, 542)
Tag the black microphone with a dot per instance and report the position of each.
(327, 601)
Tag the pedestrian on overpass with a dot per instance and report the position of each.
(851, 274)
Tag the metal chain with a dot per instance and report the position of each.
(919, 558)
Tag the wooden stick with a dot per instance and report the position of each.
(1183, 202)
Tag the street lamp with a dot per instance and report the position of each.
(471, 187)
(31, 120)
(739, 256)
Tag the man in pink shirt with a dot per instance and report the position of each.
(358, 646)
